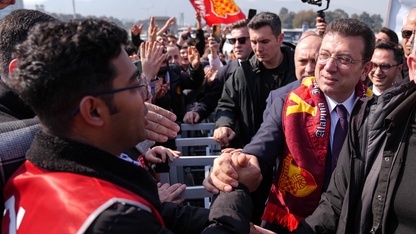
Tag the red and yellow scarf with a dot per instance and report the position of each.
(306, 122)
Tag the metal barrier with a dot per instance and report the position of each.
(186, 139)
(183, 169)
(176, 175)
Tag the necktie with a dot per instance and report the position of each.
(340, 133)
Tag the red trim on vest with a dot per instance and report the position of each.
(58, 202)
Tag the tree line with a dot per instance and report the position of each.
(296, 20)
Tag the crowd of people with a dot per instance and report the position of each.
(316, 137)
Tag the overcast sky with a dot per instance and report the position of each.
(142, 9)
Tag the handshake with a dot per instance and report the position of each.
(230, 169)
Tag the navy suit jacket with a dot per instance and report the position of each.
(279, 93)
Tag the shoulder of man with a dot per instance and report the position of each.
(283, 91)
(227, 70)
(253, 62)
(290, 54)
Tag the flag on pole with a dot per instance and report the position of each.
(396, 12)
(218, 11)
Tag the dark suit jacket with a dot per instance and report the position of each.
(268, 143)
(279, 93)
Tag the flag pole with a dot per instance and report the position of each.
(388, 14)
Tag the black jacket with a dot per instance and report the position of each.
(174, 99)
(376, 132)
(243, 99)
(229, 212)
(56, 154)
(11, 106)
(18, 126)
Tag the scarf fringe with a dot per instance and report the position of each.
(275, 214)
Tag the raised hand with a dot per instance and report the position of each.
(152, 30)
(193, 57)
(320, 26)
(136, 30)
(151, 55)
(210, 74)
(168, 24)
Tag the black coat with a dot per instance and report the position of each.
(230, 212)
(376, 131)
(18, 126)
(56, 154)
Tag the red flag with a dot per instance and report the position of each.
(218, 11)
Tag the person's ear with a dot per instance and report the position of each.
(411, 63)
(368, 66)
(399, 69)
(280, 38)
(92, 110)
(12, 66)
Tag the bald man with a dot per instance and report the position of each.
(408, 34)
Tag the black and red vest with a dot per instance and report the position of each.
(42, 201)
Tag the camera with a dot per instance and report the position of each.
(313, 2)
(320, 13)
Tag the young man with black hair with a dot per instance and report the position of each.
(91, 111)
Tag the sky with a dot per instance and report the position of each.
(143, 9)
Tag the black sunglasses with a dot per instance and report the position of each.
(384, 67)
(406, 34)
(241, 40)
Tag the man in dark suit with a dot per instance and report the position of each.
(369, 192)
(300, 131)
(212, 91)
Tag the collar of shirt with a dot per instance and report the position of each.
(348, 104)
(375, 91)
